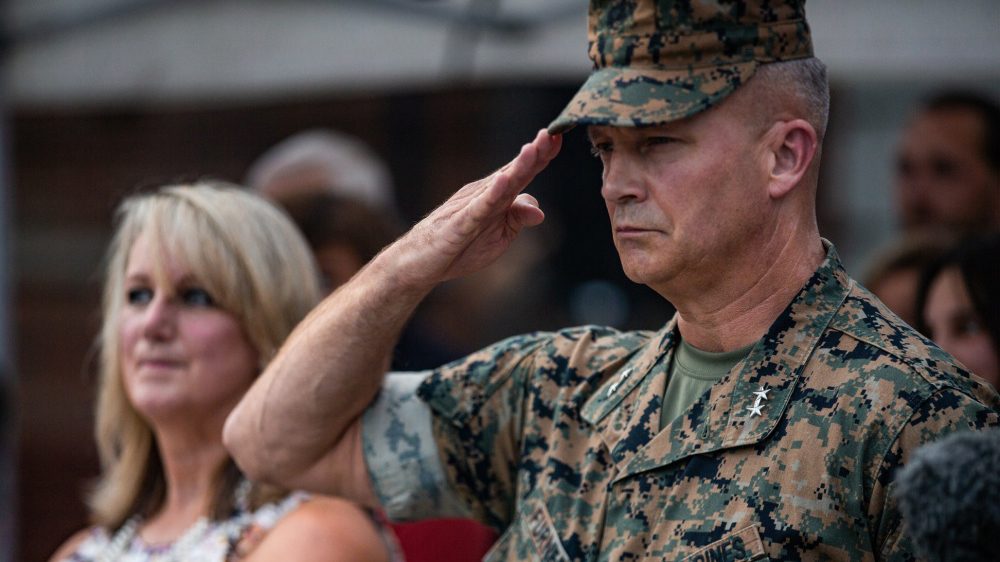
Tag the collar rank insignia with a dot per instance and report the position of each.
(761, 395)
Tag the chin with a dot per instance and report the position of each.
(646, 273)
(633, 275)
(637, 276)
(157, 406)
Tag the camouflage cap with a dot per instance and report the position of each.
(657, 61)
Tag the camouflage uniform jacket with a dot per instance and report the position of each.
(553, 438)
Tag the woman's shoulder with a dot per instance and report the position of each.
(323, 529)
(73, 547)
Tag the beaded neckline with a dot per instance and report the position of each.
(232, 529)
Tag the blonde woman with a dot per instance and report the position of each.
(203, 283)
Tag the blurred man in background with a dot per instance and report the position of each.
(323, 161)
(948, 165)
(947, 187)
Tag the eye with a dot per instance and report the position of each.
(599, 149)
(944, 168)
(968, 327)
(657, 141)
(196, 296)
(138, 296)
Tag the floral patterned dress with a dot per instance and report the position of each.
(208, 541)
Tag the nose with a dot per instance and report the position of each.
(159, 319)
(621, 180)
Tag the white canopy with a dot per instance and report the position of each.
(142, 51)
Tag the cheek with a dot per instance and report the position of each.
(966, 193)
(977, 353)
(129, 333)
(221, 346)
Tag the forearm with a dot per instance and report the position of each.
(328, 371)
(289, 426)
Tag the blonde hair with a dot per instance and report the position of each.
(255, 264)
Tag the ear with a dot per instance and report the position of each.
(792, 145)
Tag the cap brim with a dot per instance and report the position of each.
(640, 97)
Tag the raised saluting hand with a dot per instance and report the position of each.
(478, 223)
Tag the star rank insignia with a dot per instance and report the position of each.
(761, 395)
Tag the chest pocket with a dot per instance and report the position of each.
(531, 536)
(739, 546)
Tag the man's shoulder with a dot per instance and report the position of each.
(866, 337)
(581, 347)
(597, 338)
(562, 363)
(593, 347)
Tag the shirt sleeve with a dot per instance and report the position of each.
(944, 412)
(401, 454)
(458, 439)
(479, 405)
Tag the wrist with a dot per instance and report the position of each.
(396, 274)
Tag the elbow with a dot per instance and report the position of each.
(239, 440)
(261, 457)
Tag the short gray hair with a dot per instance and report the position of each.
(806, 80)
(345, 166)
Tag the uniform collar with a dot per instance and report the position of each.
(626, 409)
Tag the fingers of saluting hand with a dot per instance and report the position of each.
(525, 212)
(501, 188)
(518, 173)
(474, 226)
(532, 159)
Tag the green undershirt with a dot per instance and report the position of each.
(691, 373)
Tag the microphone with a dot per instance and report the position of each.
(949, 497)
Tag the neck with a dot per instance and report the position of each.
(741, 303)
(192, 460)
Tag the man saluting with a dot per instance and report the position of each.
(766, 419)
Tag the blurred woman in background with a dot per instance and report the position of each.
(203, 283)
(959, 303)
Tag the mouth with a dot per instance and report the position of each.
(159, 363)
(627, 231)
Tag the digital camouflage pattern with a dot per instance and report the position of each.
(657, 61)
(552, 438)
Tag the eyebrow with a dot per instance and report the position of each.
(665, 128)
(130, 277)
(186, 280)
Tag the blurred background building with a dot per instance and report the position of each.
(100, 97)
